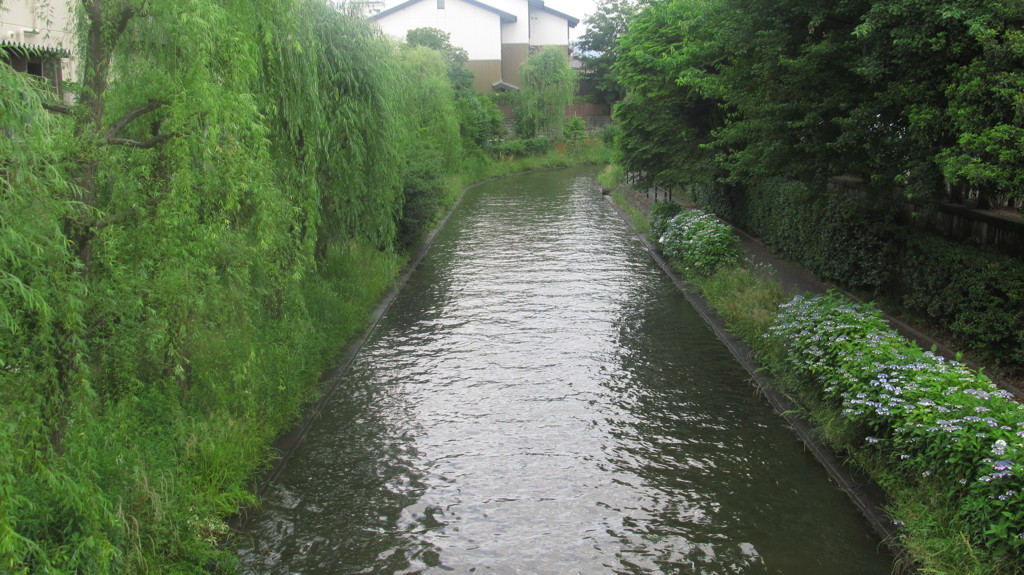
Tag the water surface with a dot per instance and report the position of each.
(541, 399)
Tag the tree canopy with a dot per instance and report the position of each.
(921, 96)
(597, 47)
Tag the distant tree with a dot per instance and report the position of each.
(549, 85)
(460, 76)
(574, 129)
(431, 142)
(479, 118)
(598, 46)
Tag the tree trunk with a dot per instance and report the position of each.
(104, 22)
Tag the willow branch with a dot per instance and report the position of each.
(131, 116)
(137, 144)
(57, 107)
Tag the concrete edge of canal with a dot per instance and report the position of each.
(864, 493)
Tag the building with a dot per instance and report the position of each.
(35, 60)
(498, 35)
(35, 39)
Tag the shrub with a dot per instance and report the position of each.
(479, 118)
(938, 422)
(609, 133)
(424, 192)
(661, 214)
(977, 295)
(521, 148)
(699, 243)
(574, 129)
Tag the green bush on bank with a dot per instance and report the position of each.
(977, 295)
(513, 149)
(659, 219)
(696, 241)
(935, 424)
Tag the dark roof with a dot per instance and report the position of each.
(505, 16)
(503, 86)
(573, 21)
(24, 49)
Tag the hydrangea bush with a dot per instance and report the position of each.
(699, 242)
(936, 420)
(660, 216)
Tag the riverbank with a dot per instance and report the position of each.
(865, 494)
(795, 279)
(929, 528)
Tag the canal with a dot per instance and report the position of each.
(540, 398)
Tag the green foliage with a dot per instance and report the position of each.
(941, 425)
(957, 65)
(915, 97)
(184, 254)
(331, 112)
(549, 85)
(573, 130)
(841, 236)
(597, 47)
(698, 243)
(660, 218)
(611, 177)
(977, 295)
(432, 143)
(479, 119)
(662, 125)
(520, 148)
(461, 78)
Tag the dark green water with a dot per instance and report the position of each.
(541, 399)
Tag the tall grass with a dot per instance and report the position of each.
(744, 298)
(612, 177)
(636, 216)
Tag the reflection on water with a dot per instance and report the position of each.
(540, 399)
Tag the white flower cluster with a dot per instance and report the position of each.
(699, 242)
(937, 418)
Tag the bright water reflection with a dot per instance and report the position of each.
(541, 399)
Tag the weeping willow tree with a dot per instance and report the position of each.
(431, 141)
(41, 317)
(326, 77)
(183, 250)
(549, 85)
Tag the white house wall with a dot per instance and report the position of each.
(547, 29)
(475, 29)
(517, 32)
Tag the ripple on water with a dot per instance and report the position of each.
(540, 399)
